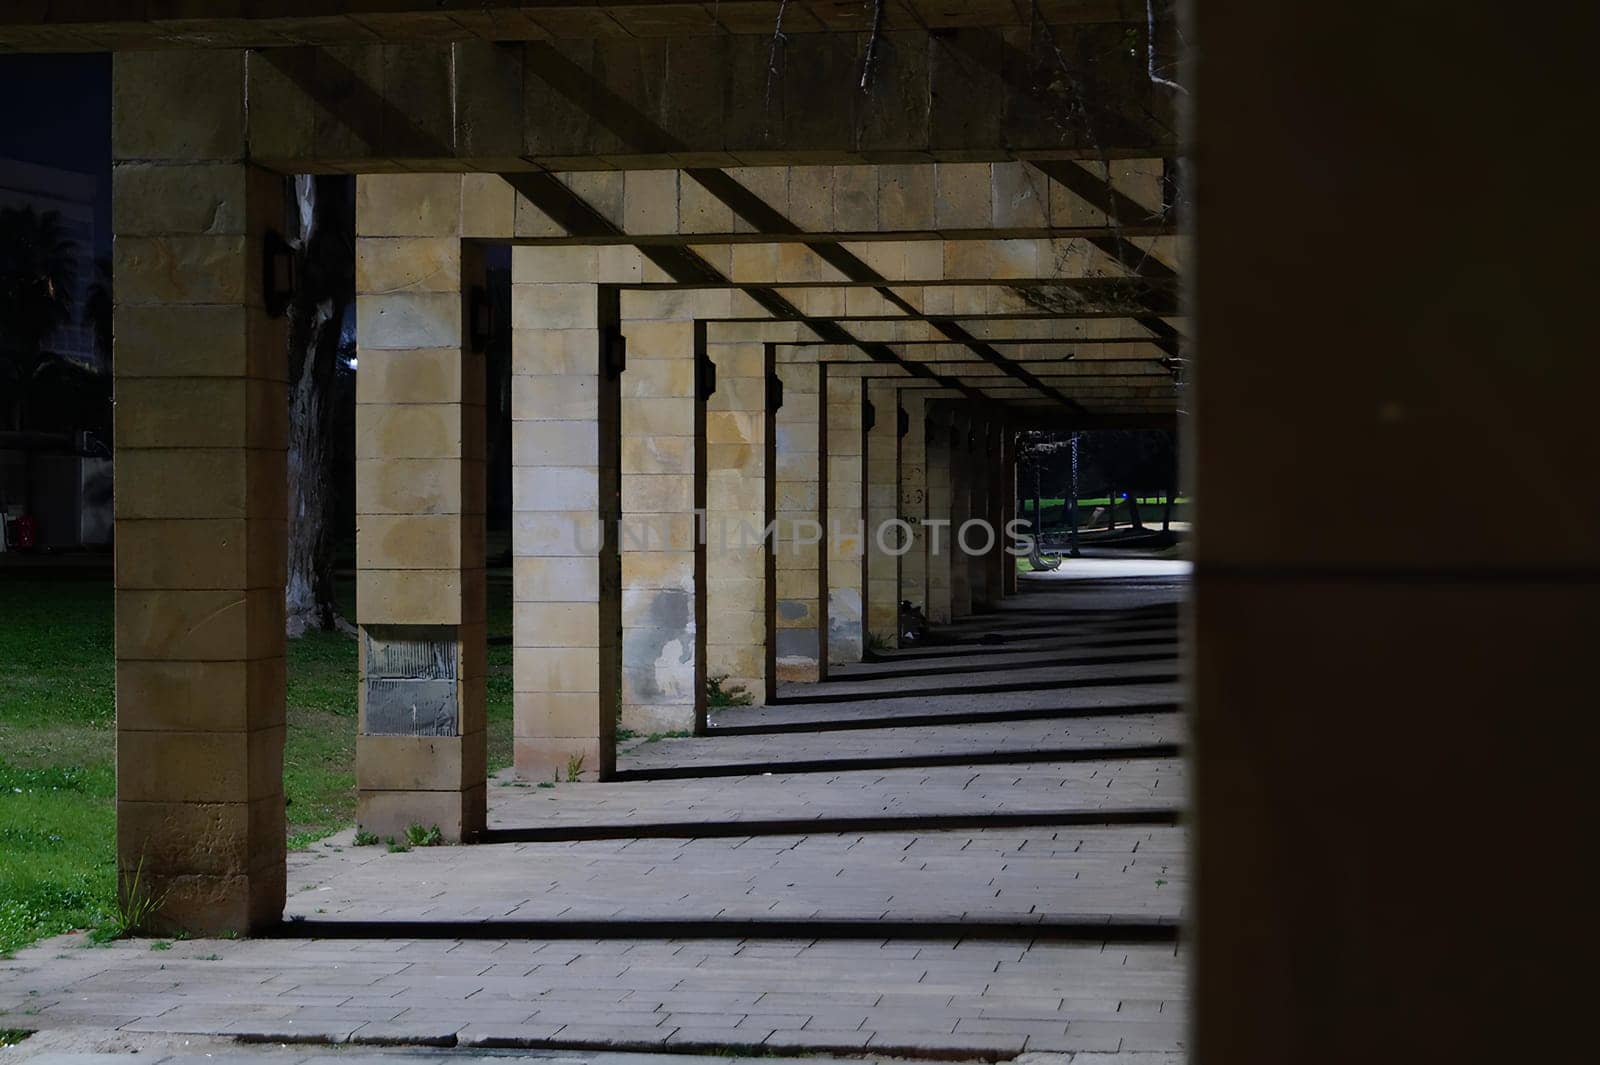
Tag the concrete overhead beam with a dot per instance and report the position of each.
(699, 101)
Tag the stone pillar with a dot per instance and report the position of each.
(738, 449)
(844, 446)
(1002, 489)
(800, 616)
(1323, 928)
(961, 428)
(883, 537)
(843, 414)
(663, 430)
(565, 410)
(937, 451)
(913, 498)
(200, 442)
(422, 749)
(979, 469)
(1008, 508)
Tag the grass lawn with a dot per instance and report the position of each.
(58, 739)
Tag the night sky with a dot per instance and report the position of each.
(57, 112)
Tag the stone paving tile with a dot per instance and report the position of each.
(1018, 736)
(855, 793)
(1043, 676)
(957, 702)
(1105, 1002)
(858, 993)
(1009, 874)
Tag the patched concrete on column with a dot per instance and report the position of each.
(846, 639)
(658, 667)
(797, 649)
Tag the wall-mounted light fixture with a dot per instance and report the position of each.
(277, 273)
(774, 393)
(903, 422)
(869, 416)
(705, 377)
(613, 352)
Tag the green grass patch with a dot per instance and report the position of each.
(58, 742)
(12, 1036)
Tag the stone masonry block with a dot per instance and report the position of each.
(210, 839)
(561, 398)
(199, 767)
(428, 375)
(554, 306)
(650, 201)
(415, 486)
(409, 431)
(488, 207)
(186, 269)
(418, 763)
(556, 624)
(559, 579)
(159, 200)
(408, 205)
(388, 265)
(185, 105)
(414, 541)
(557, 669)
(179, 340)
(563, 443)
(220, 553)
(182, 625)
(200, 696)
(554, 352)
(407, 320)
(200, 483)
(556, 488)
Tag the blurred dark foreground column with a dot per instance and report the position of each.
(1395, 229)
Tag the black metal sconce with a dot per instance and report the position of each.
(904, 422)
(774, 393)
(277, 273)
(705, 377)
(613, 352)
(480, 318)
(869, 416)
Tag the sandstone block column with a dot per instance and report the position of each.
(1001, 485)
(939, 454)
(883, 536)
(800, 617)
(663, 624)
(1008, 478)
(201, 502)
(961, 430)
(979, 468)
(421, 755)
(913, 499)
(844, 398)
(738, 456)
(565, 409)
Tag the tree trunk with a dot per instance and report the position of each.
(1166, 513)
(315, 315)
(1134, 518)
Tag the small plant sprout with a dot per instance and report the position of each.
(574, 768)
(720, 694)
(137, 906)
(417, 836)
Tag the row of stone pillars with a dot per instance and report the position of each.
(623, 408)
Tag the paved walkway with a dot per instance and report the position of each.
(979, 860)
